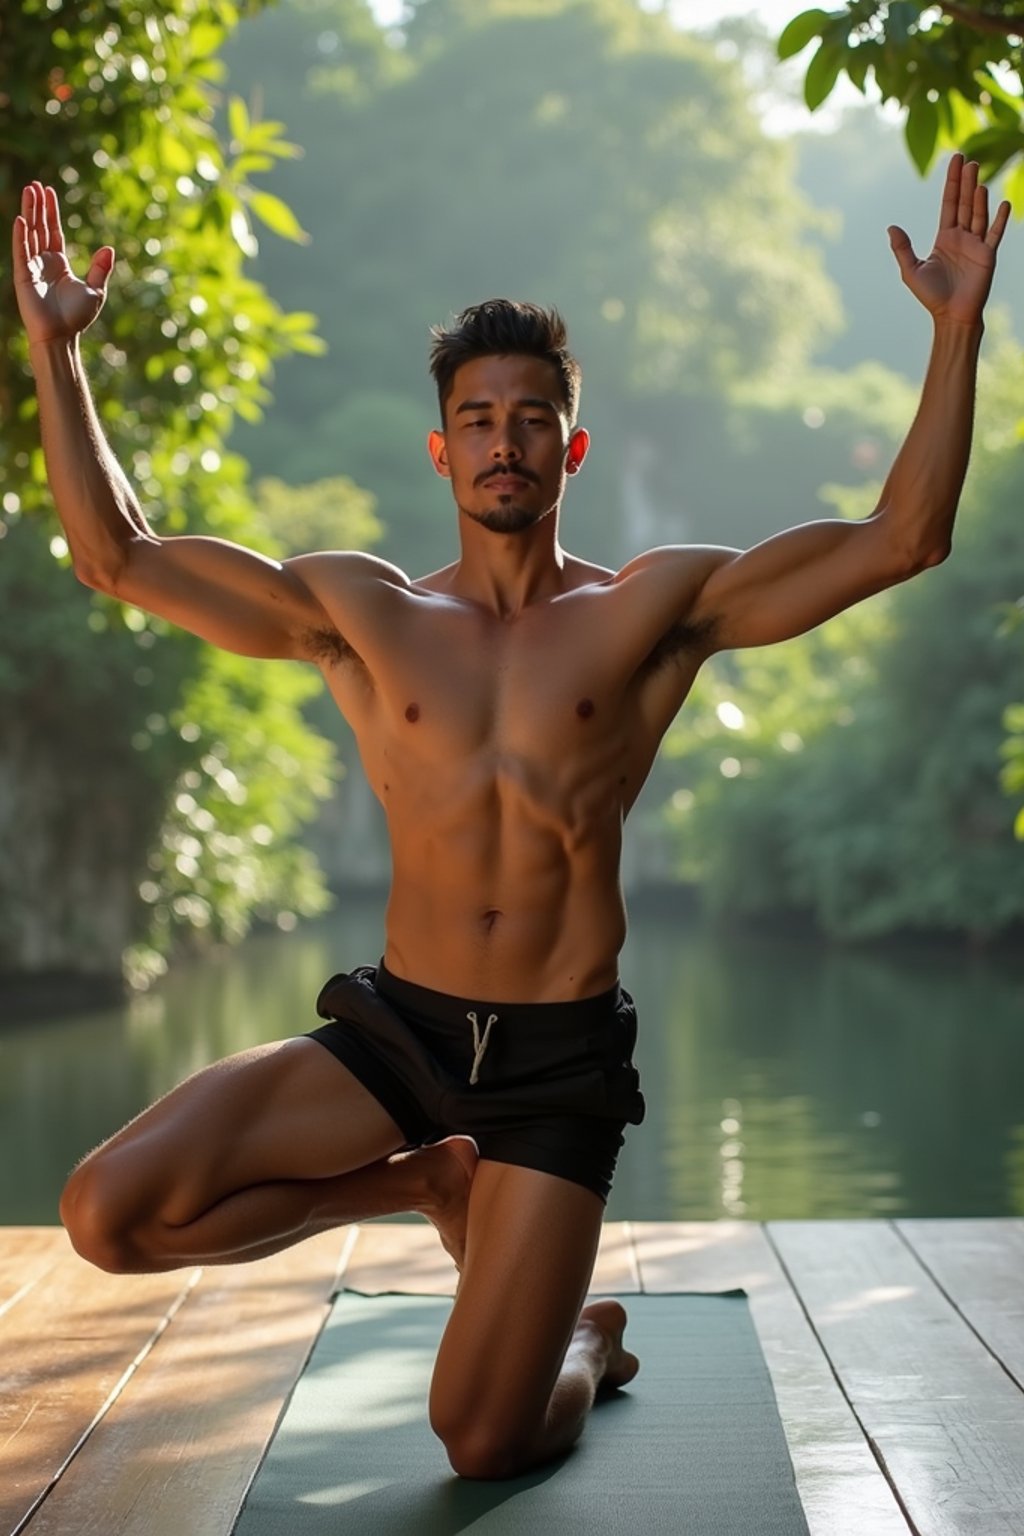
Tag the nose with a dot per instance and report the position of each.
(506, 447)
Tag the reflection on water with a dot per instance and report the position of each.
(782, 1080)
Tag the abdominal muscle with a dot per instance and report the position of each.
(498, 899)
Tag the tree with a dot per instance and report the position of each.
(117, 787)
(852, 774)
(611, 165)
(957, 68)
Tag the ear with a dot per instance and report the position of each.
(439, 453)
(577, 451)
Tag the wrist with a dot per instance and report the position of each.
(54, 345)
(975, 327)
(57, 356)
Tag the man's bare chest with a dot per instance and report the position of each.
(471, 678)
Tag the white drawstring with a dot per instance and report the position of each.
(479, 1046)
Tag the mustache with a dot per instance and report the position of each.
(497, 474)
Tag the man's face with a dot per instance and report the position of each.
(506, 446)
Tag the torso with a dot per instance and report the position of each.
(506, 755)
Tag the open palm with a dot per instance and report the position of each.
(54, 303)
(954, 282)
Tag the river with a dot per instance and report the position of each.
(783, 1079)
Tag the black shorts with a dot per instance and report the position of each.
(543, 1085)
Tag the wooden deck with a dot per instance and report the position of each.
(144, 1405)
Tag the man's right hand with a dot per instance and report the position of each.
(55, 305)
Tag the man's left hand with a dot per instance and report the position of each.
(954, 282)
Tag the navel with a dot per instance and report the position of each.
(490, 917)
(412, 713)
(585, 708)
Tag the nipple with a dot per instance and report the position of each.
(412, 713)
(585, 708)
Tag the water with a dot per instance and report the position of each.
(783, 1080)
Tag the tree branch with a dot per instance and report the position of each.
(982, 21)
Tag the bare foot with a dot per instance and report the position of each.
(448, 1169)
(609, 1319)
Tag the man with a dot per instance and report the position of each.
(507, 710)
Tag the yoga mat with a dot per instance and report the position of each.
(692, 1446)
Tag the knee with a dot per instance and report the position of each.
(92, 1212)
(481, 1458)
(479, 1452)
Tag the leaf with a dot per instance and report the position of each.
(921, 131)
(822, 73)
(246, 164)
(902, 15)
(277, 216)
(858, 62)
(302, 342)
(799, 32)
(242, 232)
(1013, 191)
(297, 320)
(238, 119)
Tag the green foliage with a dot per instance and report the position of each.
(115, 105)
(581, 153)
(958, 69)
(853, 773)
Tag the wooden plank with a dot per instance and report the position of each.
(843, 1491)
(26, 1254)
(978, 1262)
(178, 1450)
(408, 1256)
(946, 1419)
(399, 1256)
(65, 1350)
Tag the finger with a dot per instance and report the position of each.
(951, 193)
(29, 210)
(44, 233)
(995, 234)
(979, 215)
(902, 249)
(101, 267)
(19, 247)
(968, 182)
(56, 242)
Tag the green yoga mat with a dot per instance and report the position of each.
(692, 1446)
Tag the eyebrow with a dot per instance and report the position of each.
(487, 405)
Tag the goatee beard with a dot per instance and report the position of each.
(510, 519)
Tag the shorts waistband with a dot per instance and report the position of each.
(447, 1009)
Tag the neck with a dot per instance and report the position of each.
(506, 572)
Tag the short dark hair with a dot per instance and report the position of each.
(504, 328)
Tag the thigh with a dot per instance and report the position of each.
(531, 1243)
(285, 1110)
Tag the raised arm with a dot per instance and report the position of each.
(797, 579)
(229, 595)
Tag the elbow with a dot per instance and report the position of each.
(912, 564)
(934, 556)
(98, 581)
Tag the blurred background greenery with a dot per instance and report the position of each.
(296, 191)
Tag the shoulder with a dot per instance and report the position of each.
(335, 570)
(668, 582)
(355, 593)
(676, 565)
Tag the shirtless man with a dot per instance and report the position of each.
(507, 710)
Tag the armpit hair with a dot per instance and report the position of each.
(681, 637)
(331, 646)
